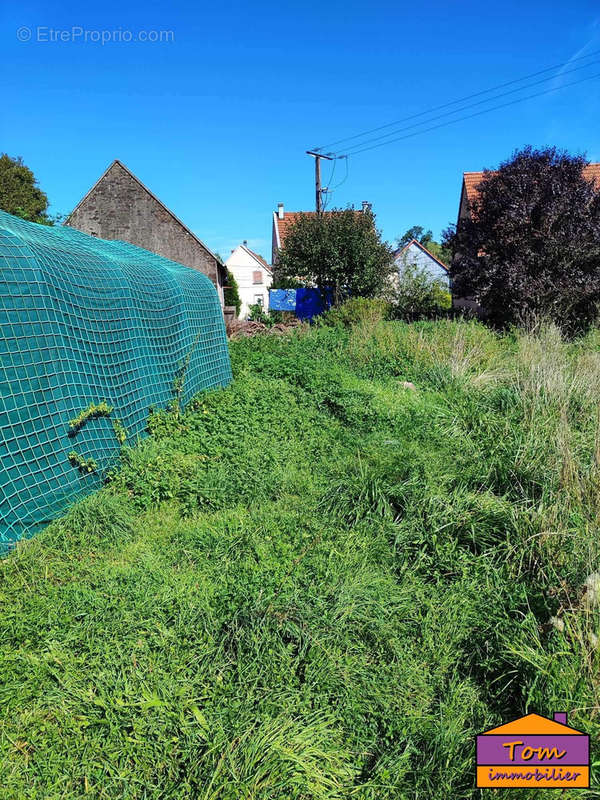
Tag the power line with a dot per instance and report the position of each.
(467, 107)
(459, 100)
(476, 114)
(345, 178)
(331, 190)
(326, 190)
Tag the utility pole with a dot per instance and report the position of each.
(318, 190)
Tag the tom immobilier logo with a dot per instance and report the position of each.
(534, 751)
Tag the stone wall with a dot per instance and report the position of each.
(120, 207)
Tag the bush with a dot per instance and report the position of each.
(232, 294)
(415, 294)
(357, 309)
(257, 313)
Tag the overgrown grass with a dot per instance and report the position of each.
(318, 583)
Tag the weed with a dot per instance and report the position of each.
(120, 431)
(86, 465)
(93, 411)
(317, 583)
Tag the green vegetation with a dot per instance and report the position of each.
(93, 411)
(257, 313)
(341, 250)
(175, 406)
(417, 294)
(20, 194)
(120, 431)
(365, 310)
(87, 465)
(321, 582)
(232, 293)
(425, 237)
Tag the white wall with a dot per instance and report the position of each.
(414, 255)
(242, 265)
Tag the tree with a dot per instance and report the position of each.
(340, 249)
(425, 237)
(532, 246)
(416, 232)
(441, 251)
(19, 193)
(232, 294)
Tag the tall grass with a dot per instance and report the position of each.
(320, 582)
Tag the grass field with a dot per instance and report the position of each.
(318, 583)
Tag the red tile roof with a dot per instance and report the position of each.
(473, 179)
(290, 217)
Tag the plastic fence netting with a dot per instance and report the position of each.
(86, 322)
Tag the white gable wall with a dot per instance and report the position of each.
(414, 255)
(243, 265)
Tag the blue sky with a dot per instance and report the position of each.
(216, 121)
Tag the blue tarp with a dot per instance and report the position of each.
(305, 303)
(282, 300)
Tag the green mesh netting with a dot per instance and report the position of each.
(83, 320)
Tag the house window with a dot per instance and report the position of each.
(257, 276)
(259, 300)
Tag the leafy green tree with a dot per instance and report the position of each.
(19, 193)
(532, 243)
(441, 252)
(340, 249)
(416, 232)
(286, 282)
(232, 293)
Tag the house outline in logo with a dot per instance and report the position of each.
(534, 752)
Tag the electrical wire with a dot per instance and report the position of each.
(467, 107)
(326, 192)
(333, 188)
(345, 178)
(470, 116)
(458, 100)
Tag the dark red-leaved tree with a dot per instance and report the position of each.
(532, 243)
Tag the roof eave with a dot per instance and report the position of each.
(263, 264)
(276, 226)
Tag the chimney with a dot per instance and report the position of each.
(280, 210)
(560, 716)
(366, 206)
(245, 242)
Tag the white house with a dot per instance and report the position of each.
(414, 253)
(253, 275)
